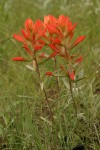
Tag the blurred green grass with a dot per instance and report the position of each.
(21, 106)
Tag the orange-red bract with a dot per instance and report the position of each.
(49, 74)
(71, 75)
(18, 59)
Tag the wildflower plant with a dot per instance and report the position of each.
(58, 35)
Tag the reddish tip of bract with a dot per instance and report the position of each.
(18, 38)
(71, 75)
(42, 55)
(49, 74)
(29, 24)
(78, 60)
(18, 59)
(78, 40)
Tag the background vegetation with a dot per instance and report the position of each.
(23, 110)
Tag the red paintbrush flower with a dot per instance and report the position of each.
(57, 33)
(31, 36)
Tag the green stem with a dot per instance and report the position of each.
(71, 91)
(47, 101)
(56, 76)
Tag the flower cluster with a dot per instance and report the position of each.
(31, 37)
(56, 33)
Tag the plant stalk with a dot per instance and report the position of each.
(47, 101)
(71, 91)
(56, 76)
